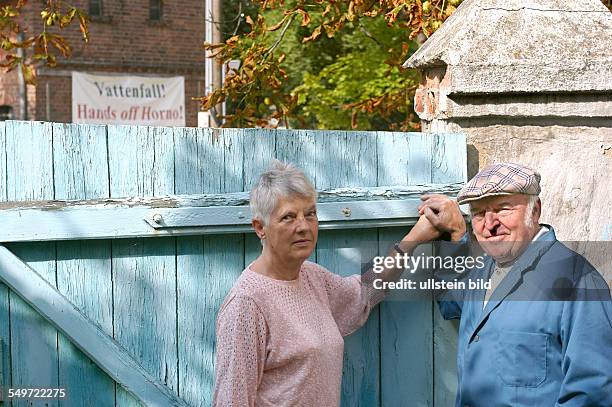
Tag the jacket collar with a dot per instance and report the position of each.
(526, 262)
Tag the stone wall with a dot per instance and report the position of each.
(530, 82)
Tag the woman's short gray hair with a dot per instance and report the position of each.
(280, 180)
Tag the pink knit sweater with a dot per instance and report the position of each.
(279, 343)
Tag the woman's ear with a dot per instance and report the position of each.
(259, 228)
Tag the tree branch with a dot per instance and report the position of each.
(368, 34)
(239, 18)
(280, 37)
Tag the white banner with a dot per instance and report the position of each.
(134, 100)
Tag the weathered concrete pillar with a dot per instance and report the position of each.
(530, 81)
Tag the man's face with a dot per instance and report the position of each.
(502, 226)
(291, 233)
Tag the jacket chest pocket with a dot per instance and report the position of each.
(521, 358)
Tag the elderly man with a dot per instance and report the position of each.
(541, 334)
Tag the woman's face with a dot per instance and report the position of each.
(291, 233)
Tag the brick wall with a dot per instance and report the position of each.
(9, 92)
(9, 95)
(124, 40)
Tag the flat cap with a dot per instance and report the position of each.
(500, 179)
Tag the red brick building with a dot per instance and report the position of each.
(135, 37)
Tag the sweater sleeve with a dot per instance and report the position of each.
(241, 352)
(350, 298)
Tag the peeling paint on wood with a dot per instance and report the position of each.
(29, 176)
(236, 198)
(159, 297)
(141, 163)
(58, 310)
(91, 292)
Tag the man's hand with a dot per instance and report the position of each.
(420, 233)
(444, 214)
(423, 231)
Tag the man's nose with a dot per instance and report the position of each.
(491, 220)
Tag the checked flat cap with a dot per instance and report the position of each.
(500, 179)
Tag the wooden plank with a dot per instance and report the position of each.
(210, 160)
(28, 160)
(79, 155)
(163, 167)
(449, 158)
(205, 264)
(235, 199)
(348, 160)
(78, 223)
(404, 158)
(449, 162)
(260, 144)
(5, 337)
(100, 219)
(190, 145)
(83, 268)
(233, 164)
(141, 163)
(96, 344)
(406, 343)
(298, 148)
(405, 325)
(29, 176)
(342, 253)
(339, 212)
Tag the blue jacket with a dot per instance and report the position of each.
(545, 337)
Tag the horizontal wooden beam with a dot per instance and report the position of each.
(110, 356)
(201, 214)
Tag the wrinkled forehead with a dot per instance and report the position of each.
(498, 201)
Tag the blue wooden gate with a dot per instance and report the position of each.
(156, 298)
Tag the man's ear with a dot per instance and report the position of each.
(537, 210)
(259, 228)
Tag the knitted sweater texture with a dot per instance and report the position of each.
(280, 343)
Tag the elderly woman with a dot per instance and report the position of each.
(280, 329)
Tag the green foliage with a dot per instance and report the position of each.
(358, 73)
(45, 46)
(325, 64)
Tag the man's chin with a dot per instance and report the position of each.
(498, 249)
(503, 251)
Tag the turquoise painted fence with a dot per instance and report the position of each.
(158, 297)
